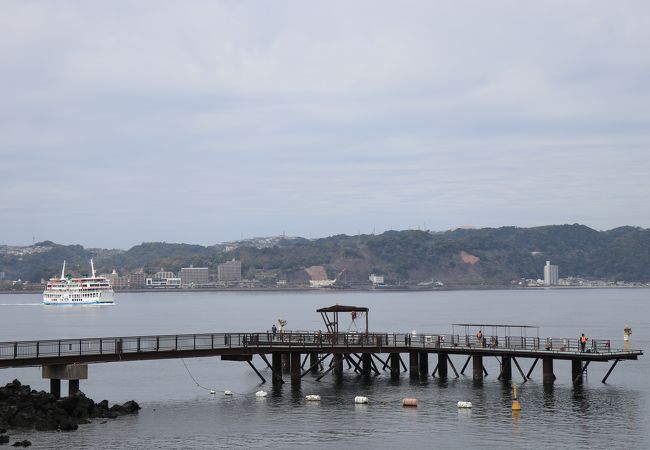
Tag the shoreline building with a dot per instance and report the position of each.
(551, 276)
(376, 279)
(137, 279)
(193, 276)
(116, 281)
(163, 279)
(229, 271)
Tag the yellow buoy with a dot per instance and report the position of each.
(515, 403)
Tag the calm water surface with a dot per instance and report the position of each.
(179, 414)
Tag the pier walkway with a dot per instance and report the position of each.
(68, 358)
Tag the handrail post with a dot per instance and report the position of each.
(176, 342)
(59, 348)
(101, 349)
(79, 347)
(15, 350)
(212, 341)
(37, 348)
(195, 342)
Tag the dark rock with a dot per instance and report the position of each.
(24, 443)
(4, 439)
(22, 407)
(23, 419)
(68, 425)
(131, 406)
(46, 424)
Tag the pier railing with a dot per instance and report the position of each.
(310, 341)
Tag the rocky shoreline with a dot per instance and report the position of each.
(24, 408)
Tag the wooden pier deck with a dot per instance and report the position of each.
(61, 359)
(133, 348)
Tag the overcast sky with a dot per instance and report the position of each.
(206, 121)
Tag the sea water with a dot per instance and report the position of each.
(178, 410)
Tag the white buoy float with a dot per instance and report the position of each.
(227, 392)
(464, 404)
(360, 400)
(212, 392)
(260, 394)
(312, 398)
(410, 402)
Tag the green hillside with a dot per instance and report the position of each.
(488, 256)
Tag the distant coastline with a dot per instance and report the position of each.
(400, 289)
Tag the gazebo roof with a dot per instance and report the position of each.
(342, 308)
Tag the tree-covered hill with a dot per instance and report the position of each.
(488, 256)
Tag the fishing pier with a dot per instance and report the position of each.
(319, 353)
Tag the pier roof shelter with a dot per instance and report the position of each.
(500, 330)
(332, 323)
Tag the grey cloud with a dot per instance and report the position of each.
(318, 119)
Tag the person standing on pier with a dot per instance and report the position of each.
(479, 338)
(282, 323)
(274, 330)
(583, 342)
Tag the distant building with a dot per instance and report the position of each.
(163, 282)
(121, 282)
(164, 274)
(551, 276)
(111, 277)
(229, 271)
(137, 279)
(117, 282)
(193, 276)
(376, 279)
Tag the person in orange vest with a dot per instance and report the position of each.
(583, 342)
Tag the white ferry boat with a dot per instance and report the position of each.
(78, 291)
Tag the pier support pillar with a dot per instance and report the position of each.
(477, 366)
(295, 367)
(286, 363)
(73, 387)
(548, 376)
(55, 387)
(424, 364)
(366, 364)
(71, 372)
(506, 368)
(313, 359)
(276, 363)
(442, 365)
(337, 361)
(394, 366)
(576, 371)
(413, 364)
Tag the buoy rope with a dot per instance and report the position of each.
(211, 389)
(192, 377)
